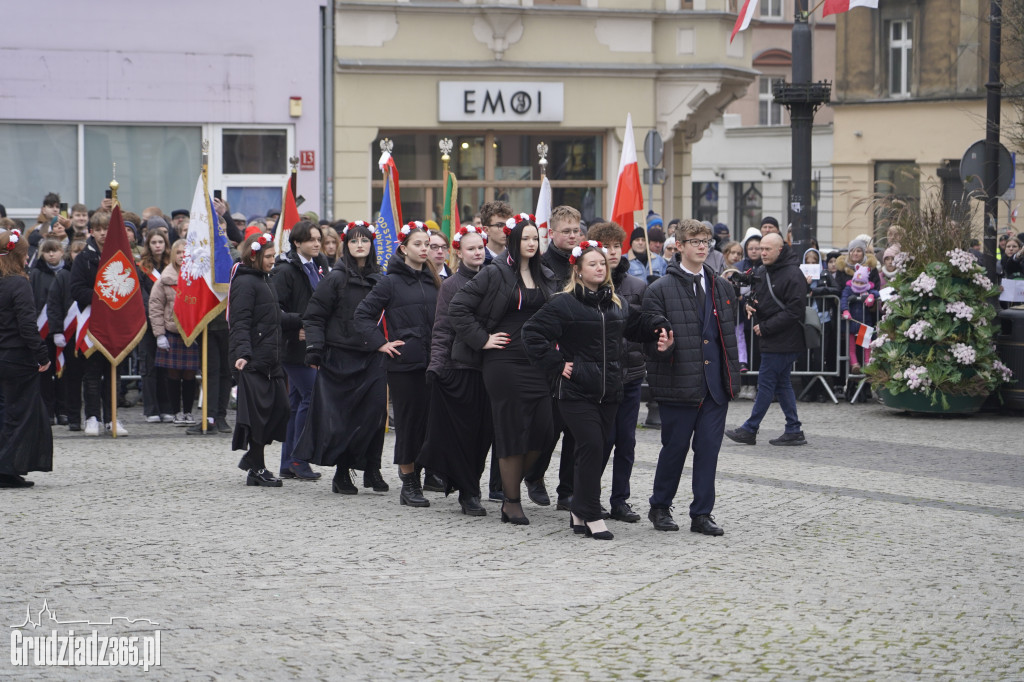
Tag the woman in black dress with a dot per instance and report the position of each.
(578, 336)
(406, 297)
(254, 345)
(488, 314)
(459, 432)
(26, 442)
(348, 410)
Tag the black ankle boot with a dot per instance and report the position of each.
(412, 493)
(343, 482)
(373, 479)
(471, 506)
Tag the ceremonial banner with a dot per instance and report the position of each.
(289, 216)
(198, 297)
(450, 213)
(390, 219)
(629, 196)
(118, 318)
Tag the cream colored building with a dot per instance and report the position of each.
(500, 77)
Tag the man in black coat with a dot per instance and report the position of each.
(694, 379)
(780, 296)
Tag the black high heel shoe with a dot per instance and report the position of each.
(600, 535)
(579, 529)
(515, 520)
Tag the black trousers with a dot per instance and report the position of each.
(74, 370)
(96, 386)
(565, 464)
(409, 398)
(590, 424)
(218, 369)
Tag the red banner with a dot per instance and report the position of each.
(118, 318)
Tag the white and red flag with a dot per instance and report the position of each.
(864, 336)
(629, 196)
(543, 212)
(747, 13)
(840, 6)
(43, 323)
(198, 300)
(286, 221)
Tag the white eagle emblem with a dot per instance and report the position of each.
(116, 282)
(196, 262)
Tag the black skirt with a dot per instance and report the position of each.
(26, 441)
(347, 412)
(409, 398)
(459, 430)
(520, 405)
(263, 410)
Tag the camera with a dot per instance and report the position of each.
(746, 279)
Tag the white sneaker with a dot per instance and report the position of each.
(92, 426)
(121, 431)
(189, 419)
(167, 418)
(153, 419)
(179, 419)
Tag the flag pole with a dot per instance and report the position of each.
(206, 197)
(114, 184)
(294, 161)
(113, 399)
(447, 200)
(542, 152)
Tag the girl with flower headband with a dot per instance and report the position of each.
(578, 336)
(26, 442)
(254, 348)
(396, 318)
(488, 314)
(348, 410)
(459, 432)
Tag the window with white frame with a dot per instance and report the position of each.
(769, 112)
(771, 9)
(901, 45)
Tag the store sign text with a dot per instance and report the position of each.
(500, 101)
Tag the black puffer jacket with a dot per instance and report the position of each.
(589, 329)
(781, 329)
(558, 262)
(18, 330)
(41, 277)
(83, 274)
(254, 321)
(58, 300)
(328, 319)
(446, 351)
(478, 307)
(631, 289)
(293, 290)
(408, 299)
(677, 375)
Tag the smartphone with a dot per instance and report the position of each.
(108, 194)
(63, 209)
(216, 194)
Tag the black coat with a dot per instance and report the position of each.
(558, 262)
(18, 330)
(407, 298)
(781, 327)
(41, 277)
(631, 289)
(478, 308)
(446, 351)
(293, 290)
(58, 300)
(83, 274)
(329, 317)
(677, 375)
(255, 322)
(589, 328)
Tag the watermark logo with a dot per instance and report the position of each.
(32, 645)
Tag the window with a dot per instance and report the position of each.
(771, 9)
(705, 201)
(494, 165)
(747, 206)
(248, 152)
(769, 112)
(38, 159)
(900, 51)
(901, 179)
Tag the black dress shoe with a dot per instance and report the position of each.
(599, 535)
(705, 523)
(496, 496)
(342, 483)
(62, 420)
(564, 503)
(222, 425)
(790, 439)
(286, 473)
(302, 471)
(662, 519)
(432, 483)
(471, 506)
(14, 481)
(624, 512)
(373, 479)
(514, 520)
(74, 426)
(741, 435)
(263, 478)
(197, 429)
(538, 493)
(605, 514)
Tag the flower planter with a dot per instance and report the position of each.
(910, 401)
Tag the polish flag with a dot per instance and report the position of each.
(83, 344)
(864, 335)
(543, 212)
(71, 324)
(43, 324)
(289, 216)
(840, 6)
(750, 7)
(629, 196)
(154, 275)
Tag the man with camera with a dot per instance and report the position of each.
(779, 297)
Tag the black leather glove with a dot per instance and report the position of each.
(313, 357)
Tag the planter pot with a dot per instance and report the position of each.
(915, 402)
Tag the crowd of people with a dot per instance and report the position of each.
(482, 343)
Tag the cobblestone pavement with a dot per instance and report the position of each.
(888, 548)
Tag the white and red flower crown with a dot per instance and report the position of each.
(467, 229)
(12, 241)
(511, 223)
(370, 227)
(261, 241)
(409, 227)
(584, 246)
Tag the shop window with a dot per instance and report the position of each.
(705, 201)
(38, 159)
(747, 205)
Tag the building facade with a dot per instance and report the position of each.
(500, 77)
(86, 85)
(742, 166)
